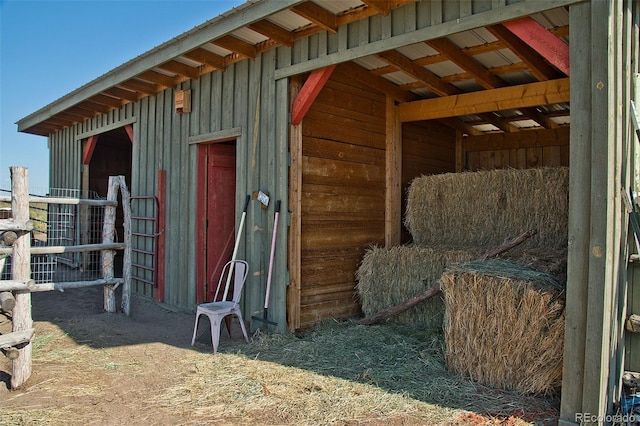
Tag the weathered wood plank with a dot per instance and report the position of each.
(339, 150)
(517, 140)
(350, 130)
(332, 172)
(335, 235)
(16, 338)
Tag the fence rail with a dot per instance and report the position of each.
(27, 276)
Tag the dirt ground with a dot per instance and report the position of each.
(91, 367)
(75, 325)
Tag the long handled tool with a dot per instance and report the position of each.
(269, 275)
(235, 248)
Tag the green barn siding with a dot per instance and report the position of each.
(220, 101)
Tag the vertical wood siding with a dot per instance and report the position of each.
(240, 97)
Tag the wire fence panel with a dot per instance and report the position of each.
(66, 222)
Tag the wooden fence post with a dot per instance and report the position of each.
(126, 265)
(117, 183)
(108, 236)
(21, 271)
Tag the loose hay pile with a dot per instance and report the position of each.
(481, 209)
(390, 276)
(504, 325)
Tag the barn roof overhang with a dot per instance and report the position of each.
(489, 57)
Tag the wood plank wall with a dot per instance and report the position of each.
(427, 148)
(343, 193)
(519, 150)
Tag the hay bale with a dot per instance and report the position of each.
(389, 276)
(481, 209)
(504, 325)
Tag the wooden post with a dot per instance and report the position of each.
(295, 226)
(108, 233)
(21, 271)
(117, 183)
(126, 266)
(393, 176)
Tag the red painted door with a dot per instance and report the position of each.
(220, 211)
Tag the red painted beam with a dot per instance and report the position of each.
(162, 227)
(129, 129)
(201, 223)
(309, 93)
(542, 41)
(89, 147)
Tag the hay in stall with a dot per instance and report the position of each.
(389, 276)
(481, 209)
(504, 325)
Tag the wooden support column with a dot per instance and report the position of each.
(393, 160)
(21, 271)
(594, 271)
(295, 226)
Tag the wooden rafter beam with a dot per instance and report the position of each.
(309, 93)
(501, 123)
(56, 120)
(82, 112)
(208, 58)
(382, 7)
(121, 93)
(140, 86)
(542, 41)
(503, 69)
(273, 31)
(159, 78)
(180, 69)
(236, 45)
(525, 95)
(107, 100)
(379, 84)
(432, 81)
(452, 52)
(66, 115)
(543, 120)
(538, 66)
(317, 15)
(95, 107)
(458, 124)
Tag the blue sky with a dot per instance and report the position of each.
(49, 48)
